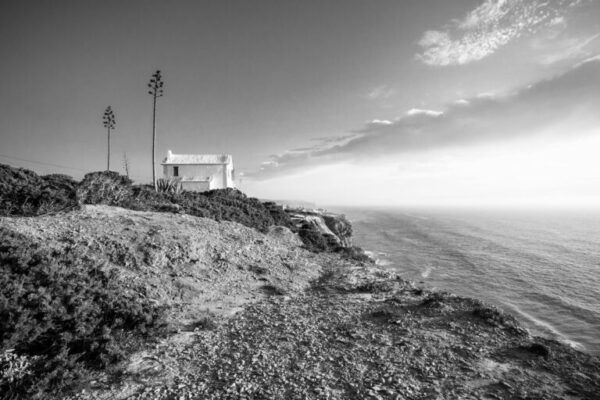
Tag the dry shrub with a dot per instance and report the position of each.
(24, 193)
(106, 187)
(63, 315)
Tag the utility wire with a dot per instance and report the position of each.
(42, 163)
(58, 165)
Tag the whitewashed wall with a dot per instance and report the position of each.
(221, 175)
(196, 186)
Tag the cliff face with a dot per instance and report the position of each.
(340, 227)
(335, 229)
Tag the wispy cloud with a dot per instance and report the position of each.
(560, 105)
(568, 49)
(589, 60)
(488, 27)
(382, 92)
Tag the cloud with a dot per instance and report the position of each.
(419, 111)
(488, 27)
(559, 106)
(567, 49)
(589, 60)
(382, 92)
(381, 122)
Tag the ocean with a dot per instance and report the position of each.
(542, 267)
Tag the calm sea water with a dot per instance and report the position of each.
(542, 267)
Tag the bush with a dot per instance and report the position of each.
(106, 187)
(280, 217)
(24, 193)
(63, 315)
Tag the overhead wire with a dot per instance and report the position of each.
(56, 165)
(41, 163)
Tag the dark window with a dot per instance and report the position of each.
(175, 171)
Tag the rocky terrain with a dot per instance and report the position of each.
(256, 315)
(335, 228)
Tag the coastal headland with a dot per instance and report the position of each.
(240, 306)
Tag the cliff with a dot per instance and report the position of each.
(335, 229)
(252, 314)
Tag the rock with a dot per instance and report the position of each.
(335, 228)
(538, 349)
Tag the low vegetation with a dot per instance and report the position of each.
(24, 193)
(64, 315)
(170, 185)
(113, 189)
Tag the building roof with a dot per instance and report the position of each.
(179, 159)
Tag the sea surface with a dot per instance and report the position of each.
(543, 267)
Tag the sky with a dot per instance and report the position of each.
(342, 102)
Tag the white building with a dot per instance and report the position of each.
(200, 172)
